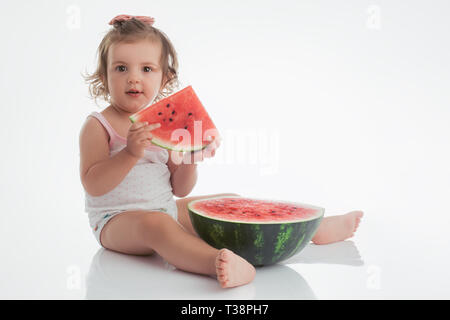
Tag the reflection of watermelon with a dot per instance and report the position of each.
(261, 231)
(185, 124)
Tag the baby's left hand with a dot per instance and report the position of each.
(208, 152)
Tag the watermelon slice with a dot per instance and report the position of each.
(261, 231)
(185, 124)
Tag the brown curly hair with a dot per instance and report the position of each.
(130, 31)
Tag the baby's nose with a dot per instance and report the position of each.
(133, 80)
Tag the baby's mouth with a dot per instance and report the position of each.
(134, 93)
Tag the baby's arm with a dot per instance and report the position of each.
(182, 177)
(99, 172)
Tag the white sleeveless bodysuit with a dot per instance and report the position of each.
(146, 187)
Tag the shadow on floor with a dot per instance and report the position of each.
(118, 276)
(343, 252)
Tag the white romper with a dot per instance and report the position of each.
(146, 187)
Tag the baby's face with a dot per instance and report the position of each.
(134, 66)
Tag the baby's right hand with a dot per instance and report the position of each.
(139, 137)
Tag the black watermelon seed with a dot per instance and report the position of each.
(168, 105)
(170, 119)
(159, 113)
(173, 112)
(186, 127)
(190, 114)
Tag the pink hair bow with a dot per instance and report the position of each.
(125, 17)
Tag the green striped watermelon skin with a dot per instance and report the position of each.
(259, 243)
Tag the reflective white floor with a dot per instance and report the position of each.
(375, 264)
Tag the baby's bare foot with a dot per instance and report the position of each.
(337, 228)
(233, 270)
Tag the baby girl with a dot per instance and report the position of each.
(130, 184)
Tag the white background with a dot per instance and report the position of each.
(340, 104)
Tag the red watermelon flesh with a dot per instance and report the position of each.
(185, 124)
(254, 210)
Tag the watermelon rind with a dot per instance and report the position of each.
(133, 118)
(164, 145)
(260, 243)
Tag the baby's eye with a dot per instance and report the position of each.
(147, 69)
(120, 68)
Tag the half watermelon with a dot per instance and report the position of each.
(185, 124)
(261, 231)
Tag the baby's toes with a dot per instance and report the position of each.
(219, 263)
(224, 255)
(222, 277)
(358, 217)
(221, 257)
(222, 267)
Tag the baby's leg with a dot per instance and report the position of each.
(337, 228)
(141, 232)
